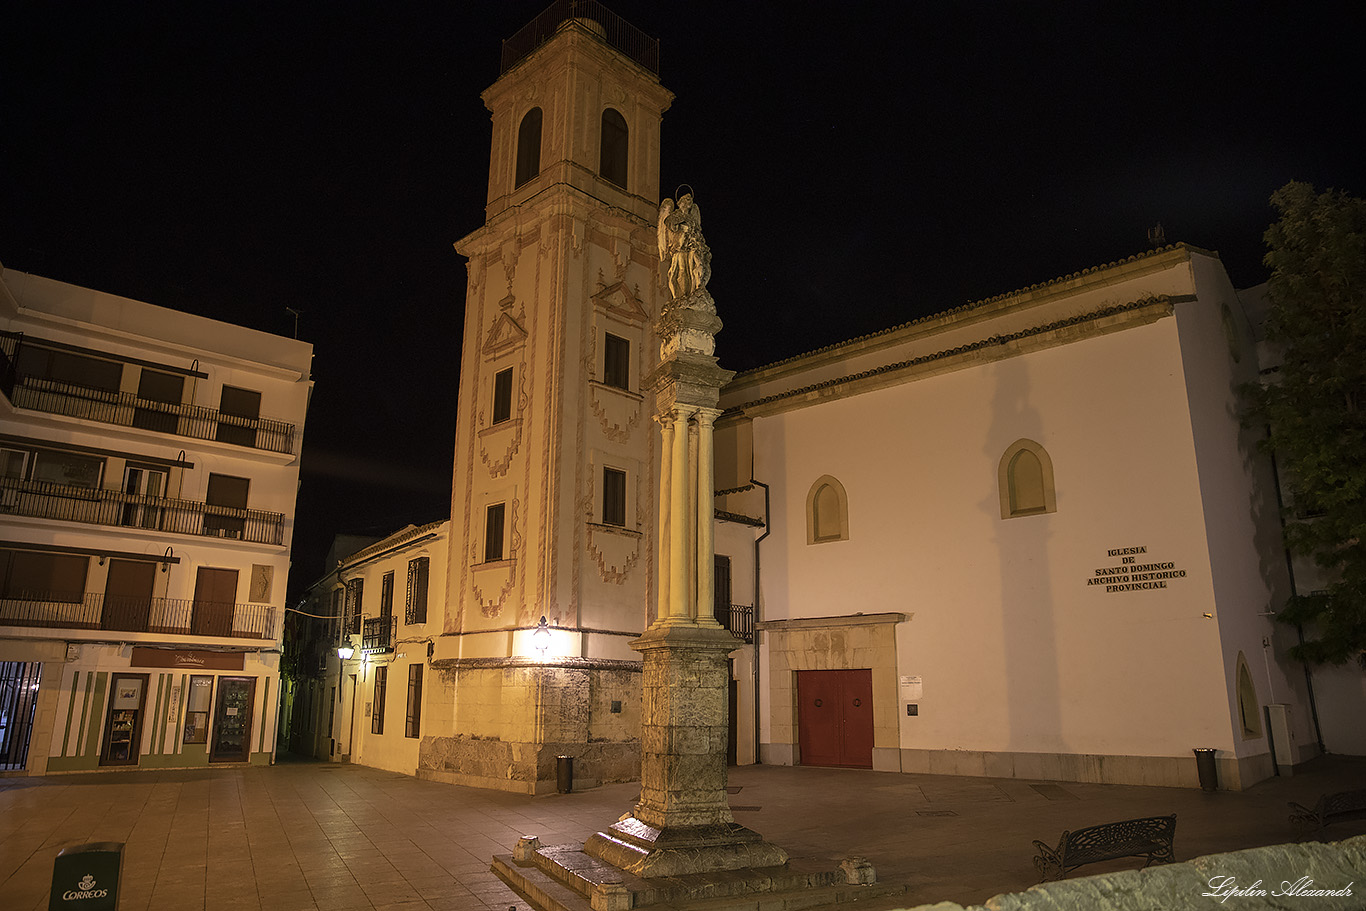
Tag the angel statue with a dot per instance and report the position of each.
(681, 243)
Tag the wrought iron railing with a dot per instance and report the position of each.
(378, 634)
(741, 622)
(9, 347)
(122, 613)
(616, 31)
(126, 409)
(95, 506)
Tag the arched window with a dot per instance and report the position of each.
(612, 164)
(827, 512)
(529, 147)
(1249, 709)
(1025, 477)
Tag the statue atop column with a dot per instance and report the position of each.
(685, 250)
(687, 322)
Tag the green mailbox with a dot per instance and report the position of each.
(86, 877)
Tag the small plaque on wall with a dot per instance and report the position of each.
(262, 576)
(912, 688)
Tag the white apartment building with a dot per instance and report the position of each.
(149, 463)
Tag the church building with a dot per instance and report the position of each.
(1026, 537)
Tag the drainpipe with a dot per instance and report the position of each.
(757, 615)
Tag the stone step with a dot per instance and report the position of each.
(543, 892)
(563, 878)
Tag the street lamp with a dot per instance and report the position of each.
(344, 652)
(540, 639)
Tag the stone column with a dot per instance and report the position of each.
(679, 513)
(704, 611)
(683, 824)
(662, 542)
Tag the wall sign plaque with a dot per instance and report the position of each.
(1131, 575)
(187, 658)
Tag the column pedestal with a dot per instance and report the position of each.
(683, 822)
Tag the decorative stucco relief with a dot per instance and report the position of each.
(492, 577)
(614, 551)
(500, 575)
(618, 413)
(621, 301)
(507, 252)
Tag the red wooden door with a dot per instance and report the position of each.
(835, 718)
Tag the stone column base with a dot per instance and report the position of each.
(646, 851)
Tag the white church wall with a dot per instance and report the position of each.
(1016, 652)
(1240, 510)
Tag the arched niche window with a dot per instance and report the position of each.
(1249, 709)
(1026, 480)
(827, 512)
(529, 146)
(612, 164)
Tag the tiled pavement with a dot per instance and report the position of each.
(304, 836)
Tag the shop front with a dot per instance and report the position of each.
(145, 707)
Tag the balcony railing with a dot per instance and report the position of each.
(377, 635)
(127, 410)
(176, 616)
(616, 31)
(93, 506)
(740, 622)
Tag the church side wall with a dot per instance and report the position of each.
(1247, 554)
(1013, 661)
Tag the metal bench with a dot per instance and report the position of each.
(1149, 837)
(1331, 808)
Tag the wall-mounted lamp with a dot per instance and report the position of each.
(344, 652)
(166, 560)
(540, 640)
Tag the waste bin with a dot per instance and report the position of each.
(1209, 772)
(564, 774)
(87, 877)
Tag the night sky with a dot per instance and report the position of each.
(857, 166)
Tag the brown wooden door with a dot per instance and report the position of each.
(215, 595)
(128, 595)
(835, 718)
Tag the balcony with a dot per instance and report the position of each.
(94, 506)
(127, 410)
(740, 622)
(378, 634)
(167, 616)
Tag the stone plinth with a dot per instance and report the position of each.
(683, 822)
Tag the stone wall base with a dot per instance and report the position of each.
(1235, 773)
(524, 768)
(1324, 877)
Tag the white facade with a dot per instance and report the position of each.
(1024, 641)
(389, 595)
(151, 467)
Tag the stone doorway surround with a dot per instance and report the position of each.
(832, 643)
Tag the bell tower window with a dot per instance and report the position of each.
(614, 142)
(529, 146)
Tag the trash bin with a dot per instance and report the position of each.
(87, 877)
(564, 774)
(1209, 772)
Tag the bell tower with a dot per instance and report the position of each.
(551, 567)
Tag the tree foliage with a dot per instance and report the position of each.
(1315, 407)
